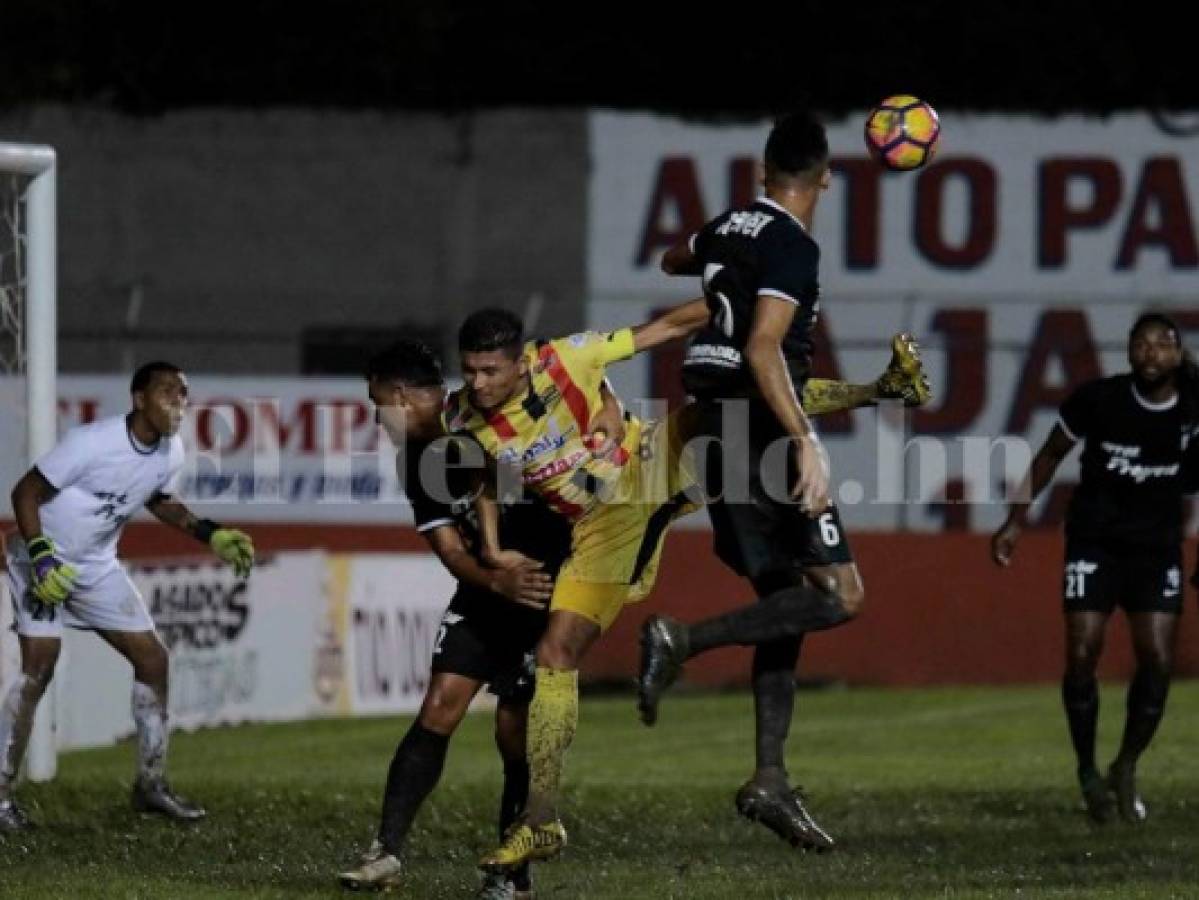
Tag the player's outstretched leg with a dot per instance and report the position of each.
(666, 644)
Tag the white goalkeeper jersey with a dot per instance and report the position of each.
(103, 476)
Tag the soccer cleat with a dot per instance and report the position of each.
(1122, 781)
(821, 840)
(904, 378)
(663, 651)
(12, 818)
(156, 796)
(783, 812)
(1097, 797)
(525, 843)
(377, 870)
(501, 887)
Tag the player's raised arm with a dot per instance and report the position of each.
(681, 259)
(679, 322)
(231, 546)
(1040, 472)
(764, 353)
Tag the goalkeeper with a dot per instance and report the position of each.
(71, 508)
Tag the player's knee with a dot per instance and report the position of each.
(558, 652)
(442, 710)
(39, 676)
(152, 667)
(1082, 658)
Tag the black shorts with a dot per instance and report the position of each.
(1100, 576)
(758, 529)
(489, 638)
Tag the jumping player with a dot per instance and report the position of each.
(748, 370)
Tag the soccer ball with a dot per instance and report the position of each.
(902, 132)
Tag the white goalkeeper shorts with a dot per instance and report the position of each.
(109, 603)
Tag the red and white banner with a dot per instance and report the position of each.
(1063, 210)
(258, 449)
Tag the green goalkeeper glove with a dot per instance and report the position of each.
(233, 547)
(53, 580)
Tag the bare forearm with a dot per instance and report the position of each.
(774, 383)
(675, 324)
(27, 498)
(178, 516)
(465, 567)
(1039, 474)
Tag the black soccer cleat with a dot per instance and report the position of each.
(663, 652)
(784, 813)
(1097, 796)
(156, 796)
(1122, 781)
(13, 818)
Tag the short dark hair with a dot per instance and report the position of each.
(797, 146)
(1156, 317)
(492, 329)
(143, 377)
(408, 361)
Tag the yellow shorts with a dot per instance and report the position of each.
(616, 547)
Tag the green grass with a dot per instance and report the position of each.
(951, 792)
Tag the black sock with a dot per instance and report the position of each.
(774, 700)
(1081, 699)
(512, 804)
(414, 772)
(790, 612)
(1146, 705)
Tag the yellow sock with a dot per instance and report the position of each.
(553, 717)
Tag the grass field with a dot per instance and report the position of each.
(953, 792)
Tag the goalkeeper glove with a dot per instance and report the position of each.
(230, 545)
(53, 580)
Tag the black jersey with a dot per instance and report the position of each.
(1132, 477)
(745, 253)
(442, 492)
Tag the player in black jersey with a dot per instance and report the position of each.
(493, 621)
(773, 524)
(1123, 542)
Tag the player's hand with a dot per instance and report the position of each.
(53, 580)
(606, 431)
(234, 548)
(526, 585)
(1003, 542)
(509, 559)
(811, 488)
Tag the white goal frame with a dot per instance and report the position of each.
(40, 327)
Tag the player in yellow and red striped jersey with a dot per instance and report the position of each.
(529, 405)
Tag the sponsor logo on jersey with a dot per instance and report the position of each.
(551, 441)
(557, 467)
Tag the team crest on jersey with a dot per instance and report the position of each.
(579, 341)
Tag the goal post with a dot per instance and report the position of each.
(28, 344)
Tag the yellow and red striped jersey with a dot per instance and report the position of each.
(543, 431)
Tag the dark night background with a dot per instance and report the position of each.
(704, 60)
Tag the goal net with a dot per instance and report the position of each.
(28, 363)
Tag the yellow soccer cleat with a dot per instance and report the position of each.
(904, 378)
(525, 843)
